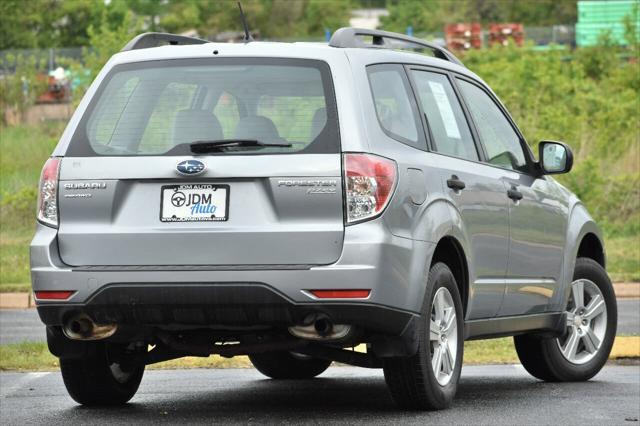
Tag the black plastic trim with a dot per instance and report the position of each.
(348, 37)
(553, 323)
(148, 40)
(220, 305)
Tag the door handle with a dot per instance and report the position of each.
(455, 183)
(514, 194)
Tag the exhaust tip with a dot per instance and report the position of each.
(323, 326)
(82, 327)
(320, 327)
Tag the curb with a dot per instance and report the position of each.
(25, 300)
(627, 290)
(16, 301)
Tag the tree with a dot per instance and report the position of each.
(321, 14)
(26, 24)
(73, 19)
(432, 15)
(420, 14)
(182, 15)
(150, 9)
(62, 23)
(108, 38)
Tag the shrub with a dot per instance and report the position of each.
(17, 209)
(588, 98)
(20, 90)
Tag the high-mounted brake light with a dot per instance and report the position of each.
(369, 184)
(48, 194)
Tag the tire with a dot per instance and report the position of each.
(285, 365)
(95, 381)
(543, 357)
(412, 380)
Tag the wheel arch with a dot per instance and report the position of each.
(450, 252)
(591, 247)
(584, 239)
(442, 225)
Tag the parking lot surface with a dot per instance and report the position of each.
(498, 394)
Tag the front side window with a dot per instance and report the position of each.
(392, 98)
(447, 123)
(500, 140)
(161, 107)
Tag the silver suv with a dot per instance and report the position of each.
(290, 202)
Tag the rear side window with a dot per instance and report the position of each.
(500, 140)
(161, 107)
(446, 120)
(395, 107)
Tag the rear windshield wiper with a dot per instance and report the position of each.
(201, 147)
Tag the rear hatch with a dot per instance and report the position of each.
(205, 162)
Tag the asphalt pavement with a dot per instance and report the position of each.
(487, 394)
(17, 325)
(629, 316)
(494, 395)
(21, 325)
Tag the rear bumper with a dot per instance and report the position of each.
(223, 306)
(372, 258)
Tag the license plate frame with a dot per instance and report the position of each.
(192, 188)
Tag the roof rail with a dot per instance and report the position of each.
(349, 37)
(147, 40)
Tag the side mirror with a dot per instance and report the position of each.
(555, 157)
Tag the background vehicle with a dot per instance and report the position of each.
(290, 201)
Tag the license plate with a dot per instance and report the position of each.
(194, 203)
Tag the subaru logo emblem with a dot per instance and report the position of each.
(190, 167)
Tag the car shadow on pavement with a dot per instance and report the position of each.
(320, 399)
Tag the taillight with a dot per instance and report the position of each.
(48, 194)
(369, 184)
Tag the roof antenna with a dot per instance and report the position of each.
(247, 34)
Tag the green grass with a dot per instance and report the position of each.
(25, 149)
(27, 356)
(14, 260)
(36, 357)
(494, 351)
(623, 257)
(30, 356)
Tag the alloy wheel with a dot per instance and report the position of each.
(586, 323)
(443, 336)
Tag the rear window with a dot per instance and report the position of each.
(160, 107)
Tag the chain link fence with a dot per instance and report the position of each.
(47, 59)
(50, 59)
